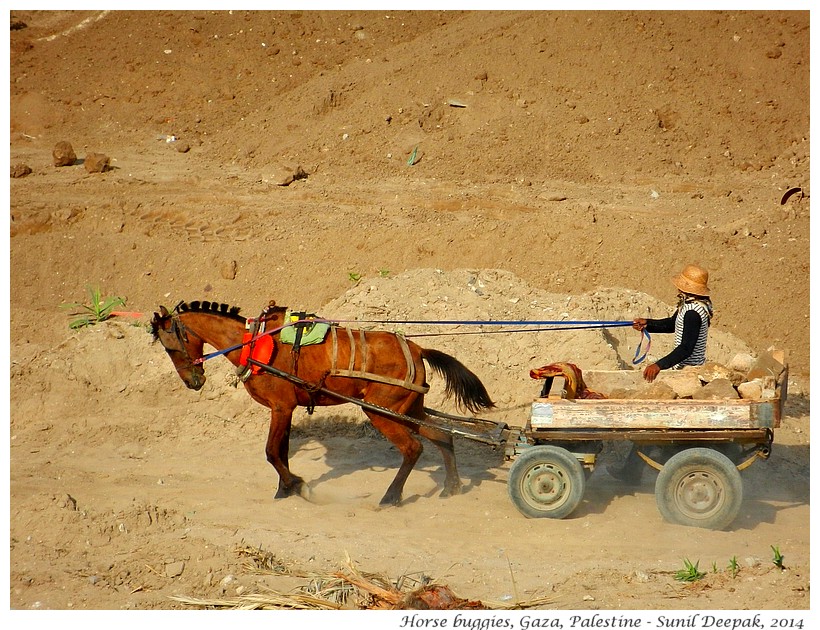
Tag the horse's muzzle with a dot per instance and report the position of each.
(194, 381)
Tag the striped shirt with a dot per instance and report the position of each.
(690, 323)
(698, 356)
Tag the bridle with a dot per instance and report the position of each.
(179, 331)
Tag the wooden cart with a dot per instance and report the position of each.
(699, 447)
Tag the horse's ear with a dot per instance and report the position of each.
(163, 311)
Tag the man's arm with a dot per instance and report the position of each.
(689, 339)
(665, 325)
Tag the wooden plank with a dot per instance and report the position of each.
(652, 414)
(651, 436)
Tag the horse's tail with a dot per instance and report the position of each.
(460, 382)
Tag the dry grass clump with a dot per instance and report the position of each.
(348, 589)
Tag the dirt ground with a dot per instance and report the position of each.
(391, 165)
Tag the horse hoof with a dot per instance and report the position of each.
(285, 492)
(306, 492)
(450, 492)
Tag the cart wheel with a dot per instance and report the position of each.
(699, 487)
(546, 481)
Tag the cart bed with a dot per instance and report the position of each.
(554, 412)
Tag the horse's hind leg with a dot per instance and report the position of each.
(410, 448)
(444, 442)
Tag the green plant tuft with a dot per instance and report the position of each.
(690, 572)
(99, 310)
(733, 567)
(777, 559)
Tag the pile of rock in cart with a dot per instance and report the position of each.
(745, 376)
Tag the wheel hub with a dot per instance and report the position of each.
(546, 485)
(699, 494)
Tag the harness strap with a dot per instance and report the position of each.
(363, 373)
(300, 328)
(352, 350)
(365, 349)
(411, 372)
(334, 348)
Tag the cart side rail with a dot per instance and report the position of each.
(553, 413)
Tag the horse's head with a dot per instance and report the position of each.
(183, 346)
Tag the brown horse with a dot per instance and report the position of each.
(379, 368)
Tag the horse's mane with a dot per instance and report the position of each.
(210, 307)
(219, 309)
(205, 306)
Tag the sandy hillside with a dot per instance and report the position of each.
(391, 165)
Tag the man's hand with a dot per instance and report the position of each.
(651, 372)
(639, 323)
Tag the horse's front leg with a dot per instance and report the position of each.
(409, 447)
(276, 451)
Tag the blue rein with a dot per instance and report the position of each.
(639, 359)
(554, 325)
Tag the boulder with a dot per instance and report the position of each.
(658, 390)
(763, 388)
(765, 365)
(97, 163)
(63, 154)
(751, 390)
(769, 387)
(20, 170)
(286, 175)
(741, 362)
(711, 371)
(685, 382)
(719, 389)
(228, 270)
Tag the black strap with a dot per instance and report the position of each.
(300, 327)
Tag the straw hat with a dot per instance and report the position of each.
(692, 280)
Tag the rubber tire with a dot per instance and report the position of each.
(546, 482)
(699, 487)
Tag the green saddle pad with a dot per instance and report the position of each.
(314, 332)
